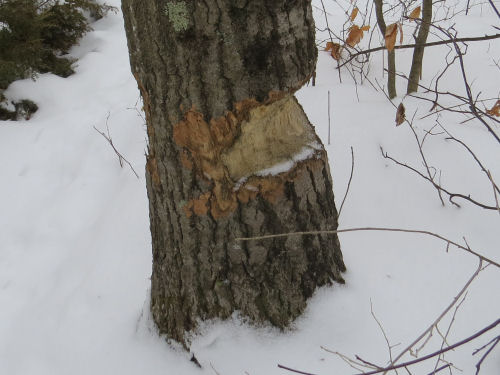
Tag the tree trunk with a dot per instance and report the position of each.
(391, 55)
(231, 154)
(418, 52)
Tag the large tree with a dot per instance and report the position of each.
(231, 154)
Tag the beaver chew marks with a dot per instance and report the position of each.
(255, 137)
(273, 133)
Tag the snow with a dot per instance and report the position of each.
(75, 251)
(303, 154)
(4, 26)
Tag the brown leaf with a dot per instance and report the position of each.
(355, 35)
(336, 51)
(354, 13)
(365, 28)
(390, 36)
(495, 110)
(334, 48)
(415, 13)
(400, 25)
(400, 114)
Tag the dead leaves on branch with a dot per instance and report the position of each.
(495, 110)
(334, 49)
(353, 38)
(415, 13)
(356, 34)
(354, 13)
(391, 32)
(400, 114)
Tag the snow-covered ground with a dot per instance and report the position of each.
(75, 252)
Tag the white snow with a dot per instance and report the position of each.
(305, 153)
(75, 252)
(4, 26)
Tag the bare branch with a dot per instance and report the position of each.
(468, 90)
(389, 347)
(495, 342)
(428, 331)
(349, 183)
(436, 353)
(440, 369)
(445, 337)
(121, 158)
(418, 360)
(372, 229)
(352, 363)
(451, 195)
(430, 44)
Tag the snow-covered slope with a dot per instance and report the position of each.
(75, 253)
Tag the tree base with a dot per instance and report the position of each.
(265, 280)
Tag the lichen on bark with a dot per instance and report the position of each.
(178, 15)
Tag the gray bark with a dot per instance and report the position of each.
(418, 52)
(217, 79)
(391, 55)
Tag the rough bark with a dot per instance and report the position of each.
(391, 55)
(418, 52)
(217, 79)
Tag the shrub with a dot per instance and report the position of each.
(36, 34)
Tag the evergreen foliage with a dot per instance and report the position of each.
(36, 34)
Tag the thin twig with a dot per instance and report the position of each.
(440, 369)
(372, 229)
(445, 337)
(451, 195)
(213, 368)
(494, 8)
(389, 347)
(438, 352)
(483, 168)
(485, 345)
(443, 313)
(349, 183)
(468, 90)
(293, 370)
(367, 363)
(424, 160)
(495, 190)
(121, 158)
(352, 363)
(418, 360)
(478, 365)
(415, 352)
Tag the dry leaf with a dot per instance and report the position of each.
(415, 13)
(355, 35)
(365, 28)
(390, 36)
(354, 13)
(336, 51)
(400, 114)
(495, 110)
(400, 25)
(334, 48)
